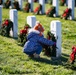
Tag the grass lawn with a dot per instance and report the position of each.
(14, 61)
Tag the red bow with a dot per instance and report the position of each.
(6, 23)
(24, 31)
(72, 55)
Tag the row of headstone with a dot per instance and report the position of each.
(71, 5)
(55, 3)
(31, 20)
(20, 3)
(42, 2)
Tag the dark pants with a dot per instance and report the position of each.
(37, 51)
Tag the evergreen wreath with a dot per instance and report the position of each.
(51, 11)
(22, 37)
(16, 5)
(71, 63)
(38, 9)
(1, 2)
(35, 0)
(73, 55)
(50, 51)
(7, 4)
(62, 2)
(66, 13)
(7, 25)
(27, 7)
(75, 3)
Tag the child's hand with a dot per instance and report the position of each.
(54, 43)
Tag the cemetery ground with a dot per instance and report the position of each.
(14, 61)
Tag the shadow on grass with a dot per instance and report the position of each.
(53, 60)
(63, 61)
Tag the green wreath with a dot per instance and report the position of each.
(22, 37)
(7, 25)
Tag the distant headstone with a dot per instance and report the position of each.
(0, 15)
(56, 30)
(11, 4)
(37, 0)
(71, 4)
(4, 1)
(31, 20)
(46, 1)
(31, 5)
(56, 5)
(20, 3)
(42, 2)
(14, 19)
(66, 2)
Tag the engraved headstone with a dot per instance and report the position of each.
(42, 2)
(56, 30)
(71, 4)
(31, 20)
(56, 5)
(14, 19)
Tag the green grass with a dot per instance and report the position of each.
(14, 61)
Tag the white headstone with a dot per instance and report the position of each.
(71, 4)
(4, 1)
(46, 1)
(42, 2)
(37, 0)
(14, 19)
(66, 2)
(56, 4)
(56, 30)
(0, 15)
(31, 20)
(20, 3)
(31, 5)
(11, 4)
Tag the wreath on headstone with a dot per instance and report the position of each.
(16, 5)
(66, 14)
(22, 37)
(7, 25)
(71, 63)
(73, 55)
(27, 7)
(50, 50)
(35, 0)
(7, 4)
(51, 11)
(62, 2)
(38, 9)
(75, 3)
(1, 2)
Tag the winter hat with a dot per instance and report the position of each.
(39, 27)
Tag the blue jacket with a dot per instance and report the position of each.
(34, 41)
